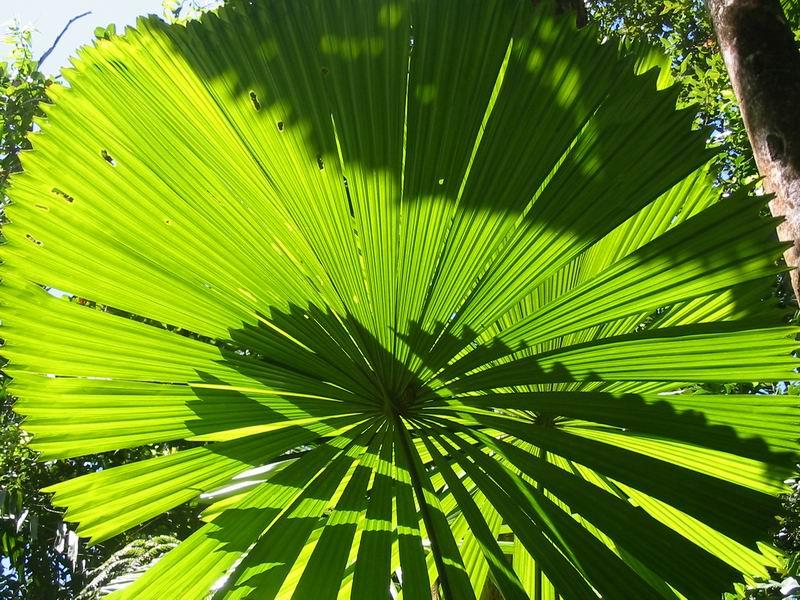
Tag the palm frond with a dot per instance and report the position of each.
(420, 282)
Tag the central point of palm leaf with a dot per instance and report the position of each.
(401, 404)
(545, 419)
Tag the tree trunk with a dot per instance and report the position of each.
(763, 61)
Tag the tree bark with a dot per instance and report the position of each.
(763, 61)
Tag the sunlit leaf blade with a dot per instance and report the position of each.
(420, 285)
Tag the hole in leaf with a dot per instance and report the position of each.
(254, 100)
(64, 195)
(167, 221)
(34, 240)
(349, 199)
(280, 125)
(441, 182)
(108, 158)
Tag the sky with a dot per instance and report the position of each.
(48, 18)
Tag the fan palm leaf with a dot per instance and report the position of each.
(419, 283)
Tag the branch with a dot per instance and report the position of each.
(58, 38)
